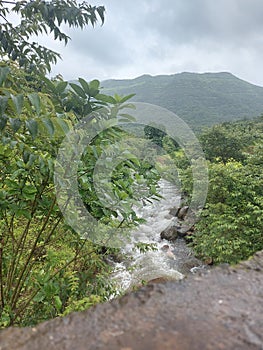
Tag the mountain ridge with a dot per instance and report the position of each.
(201, 99)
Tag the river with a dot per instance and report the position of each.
(170, 260)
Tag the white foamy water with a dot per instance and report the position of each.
(170, 264)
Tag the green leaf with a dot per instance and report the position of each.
(18, 103)
(51, 86)
(61, 86)
(32, 127)
(3, 74)
(29, 192)
(106, 98)
(84, 85)
(3, 104)
(35, 101)
(39, 297)
(125, 98)
(94, 149)
(79, 91)
(3, 121)
(94, 84)
(101, 11)
(15, 123)
(25, 213)
(49, 127)
(94, 88)
(61, 126)
(26, 155)
(128, 105)
(58, 302)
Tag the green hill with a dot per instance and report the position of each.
(200, 99)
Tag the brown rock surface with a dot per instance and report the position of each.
(222, 309)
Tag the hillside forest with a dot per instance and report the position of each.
(46, 268)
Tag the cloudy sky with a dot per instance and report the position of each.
(166, 37)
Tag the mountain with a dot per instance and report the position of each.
(200, 99)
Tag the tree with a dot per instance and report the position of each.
(219, 143)
(155, 133)
(230, 226)
(41, 17)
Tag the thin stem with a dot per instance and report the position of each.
(25, 305)
(19, 285)
(1, 272)
(20, 246)
(30, 265)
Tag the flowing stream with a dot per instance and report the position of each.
(170, 260)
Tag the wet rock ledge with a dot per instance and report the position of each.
(222, 309)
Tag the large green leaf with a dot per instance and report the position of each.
(48, 125)
(29, 192)
(51, 86)
(85, 85)
(106, 98)
(125, 98)
(61, 86)
(18, 103)
(94, 84)
(3, 74)
(3, 121)
(15, 123)
(35, 101)
(61, 126)
(3, 104)
(94, 87)
(78, 90)
(32, 127)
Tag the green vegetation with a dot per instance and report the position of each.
(46, 268)
(199, 99)
(230, 227)
(231, 224)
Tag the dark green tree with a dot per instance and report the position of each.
(222, 145)
(155, 133)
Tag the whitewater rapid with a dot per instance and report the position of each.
(171, 263)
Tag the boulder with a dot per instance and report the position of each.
(170, 232)
(176, 230)
(182, 212)
(174, 211)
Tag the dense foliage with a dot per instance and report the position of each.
(46, 269)
(231, 225)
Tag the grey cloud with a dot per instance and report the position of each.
(162, 37)
(198, 20)
(100, 44)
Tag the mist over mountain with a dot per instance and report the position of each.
(200, 99)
